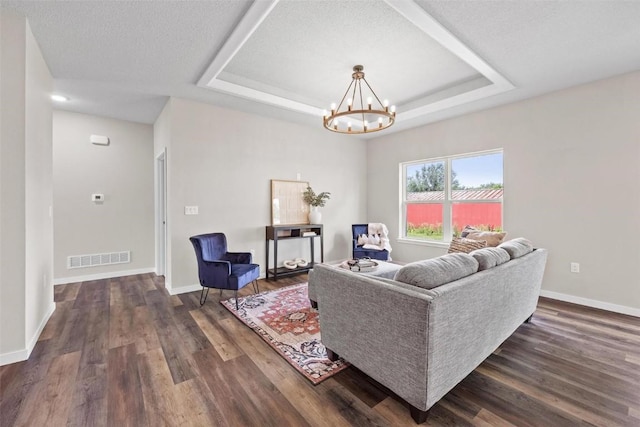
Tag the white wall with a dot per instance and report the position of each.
(572, 170)
(39, 191)
(223, 160)
(12, 185)
(123, 172)
(26, 291)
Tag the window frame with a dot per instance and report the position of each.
(447, 202)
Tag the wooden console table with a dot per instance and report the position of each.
(276, 233)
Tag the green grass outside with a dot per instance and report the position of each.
(435, 231)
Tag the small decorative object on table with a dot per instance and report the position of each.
(315, 201)
(295, 263)
(360, 265)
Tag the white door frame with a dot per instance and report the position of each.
(161, 213)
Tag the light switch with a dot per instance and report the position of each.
(191, 210)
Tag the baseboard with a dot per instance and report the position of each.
(622, 309)
(13, 357)
(100, 276)
(20, 355)
(34, 339)
(184, 289)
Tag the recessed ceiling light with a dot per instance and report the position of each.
(59, 98)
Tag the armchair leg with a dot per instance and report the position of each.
(256, 289)
(236, 297)
(202, 293)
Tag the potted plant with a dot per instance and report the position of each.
(315, 201)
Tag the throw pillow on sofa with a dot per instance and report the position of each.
(492, 238)
(466, 230)
(434, 272)
(460, 244)
(490, 257)
(517, 247)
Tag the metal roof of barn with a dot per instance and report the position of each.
(434, 196)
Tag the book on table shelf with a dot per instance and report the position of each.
(309, 233)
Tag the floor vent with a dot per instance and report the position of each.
(81, 261)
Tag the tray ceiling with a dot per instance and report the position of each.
(299, 56)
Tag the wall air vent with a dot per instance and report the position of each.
(93, 260)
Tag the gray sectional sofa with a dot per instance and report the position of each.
(422, 338)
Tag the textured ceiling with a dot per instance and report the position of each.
(319, 48)
(124, 59)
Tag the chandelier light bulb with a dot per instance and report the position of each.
(393, 108)
(369, 100)
(324, 113)
(333, 108)
(386, 103)
(349, 126)
(379, 122)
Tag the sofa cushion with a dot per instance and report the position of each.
(492, 238)
(434, 272)
(490, 257)
(460, 244)
(517, 247)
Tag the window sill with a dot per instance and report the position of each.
(419, 242)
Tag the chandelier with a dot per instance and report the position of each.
(354, 118)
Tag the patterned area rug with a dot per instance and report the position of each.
(286, 321)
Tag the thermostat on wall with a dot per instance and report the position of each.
(97, 197)
(99, 140)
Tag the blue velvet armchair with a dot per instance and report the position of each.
(359, 251)
(220, 269)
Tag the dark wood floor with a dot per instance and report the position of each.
(123, 352)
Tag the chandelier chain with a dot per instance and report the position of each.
(361, 103)
(344, 96)
(373, 92)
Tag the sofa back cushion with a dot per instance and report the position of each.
(517, 247)
(434, 272)
(490, 257)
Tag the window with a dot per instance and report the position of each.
(442, 196)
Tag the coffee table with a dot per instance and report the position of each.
(385, 270)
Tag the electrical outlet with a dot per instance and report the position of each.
(575, 267)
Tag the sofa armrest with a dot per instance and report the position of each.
(379, 327)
